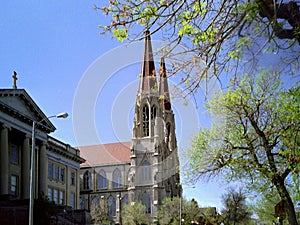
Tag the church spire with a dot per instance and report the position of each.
(148, 76)
(163, 85)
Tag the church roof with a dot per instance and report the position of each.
(105, 154)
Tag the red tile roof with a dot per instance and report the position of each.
(104, 154)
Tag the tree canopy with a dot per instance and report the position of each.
(256, 138)
(135, 214)
(235, 209)
(215, 35)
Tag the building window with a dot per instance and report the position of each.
(146, 171)
(153, 112)
(50, 170)
(81, 202)
(56, 172)
(101, 180)
(145, 121)
(50, 197)
(168, 131)
(55, 196)
(61, 197)
(117, 178)
(72, 200)
(87, 181)
(72, 178)
(14, 154)
(146, 201)
(111, 201)
(62, 175)
(14, 185)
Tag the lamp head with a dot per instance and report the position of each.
(62, 115)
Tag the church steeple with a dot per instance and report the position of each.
(148, 76)
(163, 86)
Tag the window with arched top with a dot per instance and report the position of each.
(111, 203)
(87, 180)
(168, 131)
(153, 112)
(146, 201)
(145, 121)
(101, 180)
(146, 171)
(117, 178)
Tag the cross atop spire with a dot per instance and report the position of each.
(148, 76)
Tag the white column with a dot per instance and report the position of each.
(4, 161)
(26, 167)
(43, 170)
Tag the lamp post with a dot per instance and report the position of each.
(31, 188)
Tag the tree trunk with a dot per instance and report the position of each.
(288, 203)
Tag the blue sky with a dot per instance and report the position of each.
(66, 65)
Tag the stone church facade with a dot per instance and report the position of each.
(145, 169)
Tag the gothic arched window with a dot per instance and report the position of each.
(87, 180)
(153, 112)
(145, 121)
(117, 178)
(168, 131)
(146, 201)
(101, 180)
(111, 203)
(146, 171)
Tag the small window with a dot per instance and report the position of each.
(72, 178)
(117, 178)
(62, 175)
(72, 200)
(101, 180)
(50, 170)
(81, 200)
(56, 172)
(14, 154)
(145, 121)
(61, 197)
(87, 181)
(14, 185)
(55, 196)
(111, 201)
(50, 197)
(146, 171)
(146, 201)
(153, 112)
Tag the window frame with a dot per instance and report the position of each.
(14, 185)
(117, 178)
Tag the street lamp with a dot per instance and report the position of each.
(31, 188)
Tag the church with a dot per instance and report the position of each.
(145, 169)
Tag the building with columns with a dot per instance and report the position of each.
(57, 164)
(146, 169)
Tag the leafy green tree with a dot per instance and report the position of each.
(256, 138)
(169, 212)
(236, 211)
(99, 211)
(215, 35)
(135, 213)
(264, 204)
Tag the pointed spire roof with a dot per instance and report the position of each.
(163, 85)
(148, 76)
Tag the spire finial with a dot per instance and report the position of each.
(14, 76)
